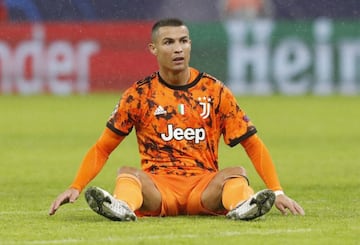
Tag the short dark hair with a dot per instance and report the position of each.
(165, 22)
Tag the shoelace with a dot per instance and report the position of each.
(118, 207)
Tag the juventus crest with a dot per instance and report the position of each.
(205, 103)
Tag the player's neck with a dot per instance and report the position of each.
(175, 78)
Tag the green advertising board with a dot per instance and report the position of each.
(267, 57)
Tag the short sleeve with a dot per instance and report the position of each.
(125, 114)
(235, 124)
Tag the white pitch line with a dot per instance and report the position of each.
(156, 237)
(266, 232)
(36, 212)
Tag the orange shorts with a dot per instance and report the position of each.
(181, 195)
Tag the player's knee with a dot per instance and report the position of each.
(127, 170)
(225, 174)
(241, 170)
(232, 172)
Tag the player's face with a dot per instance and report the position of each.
(172, 46)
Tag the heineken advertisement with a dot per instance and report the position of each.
(294, 58)
(265, 57)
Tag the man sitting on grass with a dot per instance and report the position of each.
(179, 115)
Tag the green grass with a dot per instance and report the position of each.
(314, 141)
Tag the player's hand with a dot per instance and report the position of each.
(68, 196)
(285, 204)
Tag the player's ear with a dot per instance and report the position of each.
(152, 48)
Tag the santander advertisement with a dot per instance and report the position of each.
(66, 58)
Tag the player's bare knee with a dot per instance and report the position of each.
(128, 170)
(233, 172)
(240, 170)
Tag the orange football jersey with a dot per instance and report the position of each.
(178, 128)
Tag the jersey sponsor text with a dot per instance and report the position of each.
(196, 134)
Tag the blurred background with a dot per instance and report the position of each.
(261, 47)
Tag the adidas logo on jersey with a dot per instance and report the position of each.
(159, 111)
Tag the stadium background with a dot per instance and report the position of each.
(65, 47)
(54, 46)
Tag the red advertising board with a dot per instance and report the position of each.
(63, 58)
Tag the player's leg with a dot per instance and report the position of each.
(226, 189)
(230, 189)
(133, 189)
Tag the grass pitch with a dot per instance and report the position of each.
(314, 141)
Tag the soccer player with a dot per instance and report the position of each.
(179, 115)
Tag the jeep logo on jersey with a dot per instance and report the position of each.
(196, 134)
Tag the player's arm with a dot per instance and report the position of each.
(261, 159)
(96, 158)
(91, 165)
